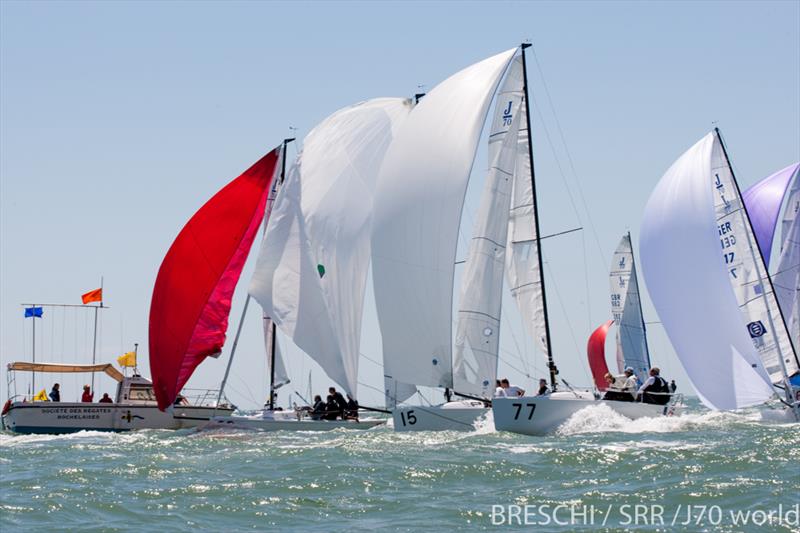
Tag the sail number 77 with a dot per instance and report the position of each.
(531, 406)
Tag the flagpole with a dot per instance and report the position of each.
(94, 340)
(33, 379)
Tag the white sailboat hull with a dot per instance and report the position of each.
(64, 417)
(542, 415)
(287, 421)
(452, 416)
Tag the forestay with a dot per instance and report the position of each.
(478, 329)
(418, 205)
(311, 272)
(626, 308)
(522, 258)
(687, 279)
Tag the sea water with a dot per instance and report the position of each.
(700, 471)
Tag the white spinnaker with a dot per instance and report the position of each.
(313, 264)
(418, 205)
(281, 377)
(522, 254)
(687, 279)
(478, 331)
(747, 272)
(626, 309)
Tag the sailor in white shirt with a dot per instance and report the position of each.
(499, 391)
(629, 381)
(512, 391)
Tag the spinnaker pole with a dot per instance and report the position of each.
(551, 365)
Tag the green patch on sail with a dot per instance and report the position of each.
(321, 270)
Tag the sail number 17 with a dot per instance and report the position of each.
(531, 406)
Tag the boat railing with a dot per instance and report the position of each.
(204, 398)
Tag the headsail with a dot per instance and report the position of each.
(687, 279)
(596, 351)
(310, 278)
(626, 308)
(764, 200)
(195, 283)
(478, 331)
(418, 206)
(522, 258)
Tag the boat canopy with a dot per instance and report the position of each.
(62, 368)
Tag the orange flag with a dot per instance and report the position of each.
(93, 296)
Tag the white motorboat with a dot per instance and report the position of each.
(134, 406)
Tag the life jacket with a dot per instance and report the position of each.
(659, 385)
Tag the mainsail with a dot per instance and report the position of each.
(478, 331)
(689, 280)
(596, 351)
(626, 308)
(311, 277)
(195, 283)
(418, 203)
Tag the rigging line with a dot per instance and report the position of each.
(371, 360)
(569, 325)
(569, 156)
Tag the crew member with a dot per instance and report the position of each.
(511, 390)
(88, 395)
(351, 412)
(655, 389)
(543, 388)
(55, 393)
(318, 411)
(105, 399)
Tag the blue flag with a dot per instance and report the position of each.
(35, 312)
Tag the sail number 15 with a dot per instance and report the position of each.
(531, 406)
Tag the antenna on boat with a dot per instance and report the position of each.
(791, 401)
(551, 365)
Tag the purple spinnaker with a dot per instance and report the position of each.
(763, 201)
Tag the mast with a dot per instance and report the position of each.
(787, 384)
(271, 347)
(551, 365)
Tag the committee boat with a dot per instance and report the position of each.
(134, 405)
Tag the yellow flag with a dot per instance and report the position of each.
(127, 359)
(41, 397)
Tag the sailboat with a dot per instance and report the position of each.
(626, 309)
(311, 274)
(707, 276)
(418, 206)
(195, 283)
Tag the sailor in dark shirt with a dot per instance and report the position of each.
(55, 393)
(336, 403)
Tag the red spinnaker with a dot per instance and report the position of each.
(193, 291)
(596, 349)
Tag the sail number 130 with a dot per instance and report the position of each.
(531, 406)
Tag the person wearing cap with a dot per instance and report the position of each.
(655, 389)
(629, 382)
(88, 395)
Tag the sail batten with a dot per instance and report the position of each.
(196, 280)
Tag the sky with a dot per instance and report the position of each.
(118, 120)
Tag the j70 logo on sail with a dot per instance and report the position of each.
(756, 329)
(507, 116)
